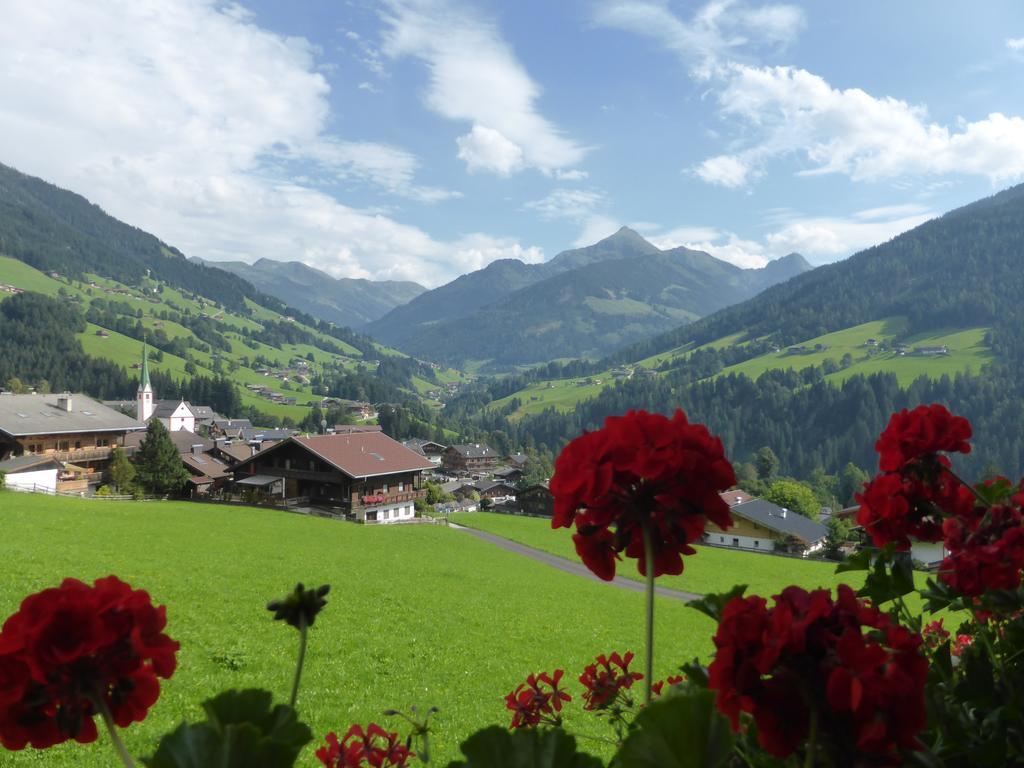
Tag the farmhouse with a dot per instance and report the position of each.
(31, 473)
(511, 475)
(73, 429)
(364, 476)
(428, 448)
(229, 427)
(536, 500)
(761, 525)
(471, 457)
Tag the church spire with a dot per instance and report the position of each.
(144, 399)
(144, 382)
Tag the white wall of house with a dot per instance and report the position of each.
(927, 551)
(389, 513)
(180, 419)
(40, 479)
(741, 542)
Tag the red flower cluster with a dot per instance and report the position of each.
(986, 549)
(641, 471)
(671, 680)
(914, 492)
(373, 747)
(842, 662)
(606, 678)
(963, 642)
(934, 634)
(915, 436)
(531, 704)
(71, 647)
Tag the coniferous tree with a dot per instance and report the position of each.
(122, 471)
(158, 464)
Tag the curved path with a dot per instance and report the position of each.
(570, 566)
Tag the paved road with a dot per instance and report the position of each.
(570, 566)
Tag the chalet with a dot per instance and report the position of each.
(207, 472)
(517, 460)
(470, 457)
(497, 491)
(229, 427)
(428, 448)
(264, 435)
(358, 409)
(536, 501)
(31, 473)
(510, 475)
(736, 496)
(930, 351)
(766, 527)
(365, 476)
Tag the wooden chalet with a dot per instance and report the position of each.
(470, 457)
(362, 476)
(536, 501)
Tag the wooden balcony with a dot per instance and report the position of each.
(82, 454)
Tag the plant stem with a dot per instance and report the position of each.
(303, 633)
(108, 721)
(812, 740)
(649, 639)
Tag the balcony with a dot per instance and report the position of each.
(82, 454)
(382, 499)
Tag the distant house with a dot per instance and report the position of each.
(511, 475)
(207, 472)
(766, 527)
(931, 351)
(428, 448)
(497, 491)
(470, 457)
(72, 429)
(734, 497)
(536, 500)
(365, 476)
(517, 460)
(262, 435)
(229, 427)
(31, 473)
(175, 414)
(797, 350)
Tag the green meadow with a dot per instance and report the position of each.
(418, 614)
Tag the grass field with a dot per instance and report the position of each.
(421, 615)
(711, 570)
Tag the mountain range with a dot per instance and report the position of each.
(584, 302)
(343, 301)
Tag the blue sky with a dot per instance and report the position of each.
(419, 139)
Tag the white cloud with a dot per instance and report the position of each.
(573, 204)
(475, 77)
(826, 238)
(726, 246)
(187, 120)
(485, 149)
(794, 112)
(1015, 43)
(716, 32)
(596, 227)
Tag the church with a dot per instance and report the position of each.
(176, 415)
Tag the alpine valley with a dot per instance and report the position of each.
(807, 361)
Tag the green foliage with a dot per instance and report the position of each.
(766, 463)
(496, 747)
(122, 471)
(838, 534)
(795, 496)
(241, 730)
(158, 465)
(712, 605)
(681, 730)
(436, 494)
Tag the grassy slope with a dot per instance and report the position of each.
(124, 350)
(967, 354)
(418, 614)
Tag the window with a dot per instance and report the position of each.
(64, 445)
(721, 539)
(757, 543)
(312, 465)
(735, 542)
(385, 488)
(401, 486)
(78, 444)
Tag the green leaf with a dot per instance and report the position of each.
(883, 584)
(713, 604)
(680, 731)
(998, 491)
(242, 730)
(495, 747)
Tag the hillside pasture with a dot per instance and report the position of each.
(418, 614)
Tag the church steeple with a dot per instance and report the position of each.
(144, 398)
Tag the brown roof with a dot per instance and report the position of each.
(183, 440)
(237, 451)
(364, 454)
(205, 464)
(738, 496)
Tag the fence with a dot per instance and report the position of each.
(72, 494)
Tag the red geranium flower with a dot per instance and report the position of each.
(986, 551)
(531, 704)
(373, 747)
(641, 471)
(896, 507)
(606, 678)
(919, 434)
(934, 634)
(843, 662)
(671, 680)
(71, 648)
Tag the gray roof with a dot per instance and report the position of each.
(232, 425)
(776, 518)
(30, 462)
(164, 408)
(266, 434)
(475, 450)
(183, 440)
(506, 472)
(27, 415)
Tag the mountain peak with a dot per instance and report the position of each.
(626, 235)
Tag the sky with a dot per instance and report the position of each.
(422, 139)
